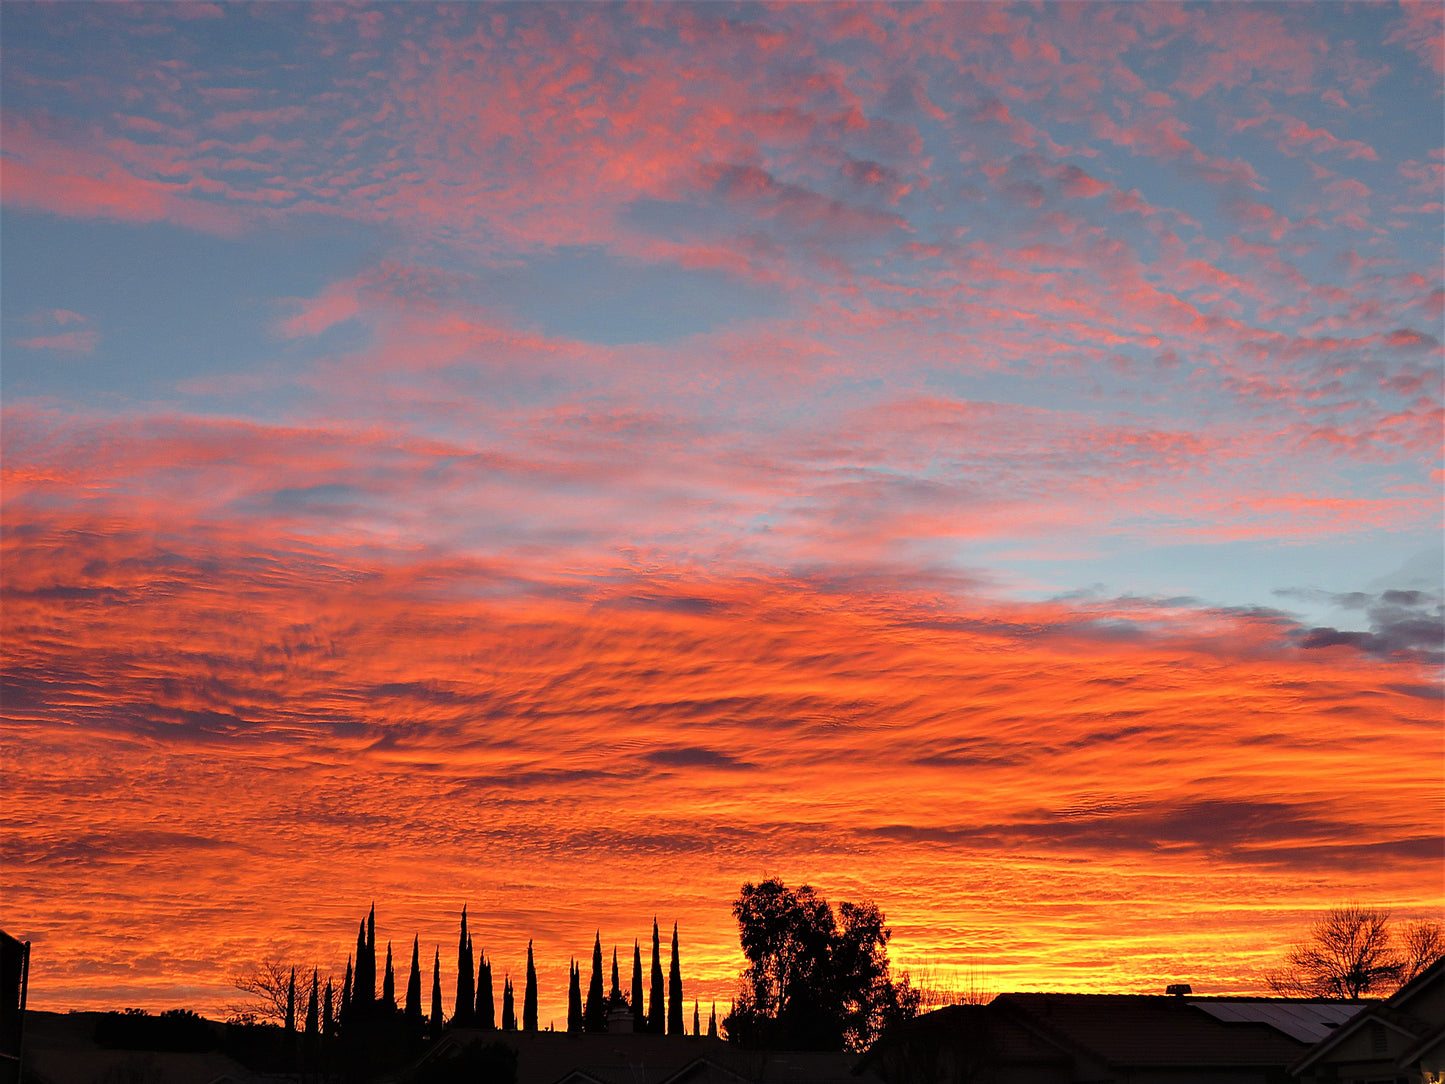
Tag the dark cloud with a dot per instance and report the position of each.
(1402, 622)
(1243, 831)
(694, 756)
(681, 604)
(326, 494)
(107, 848)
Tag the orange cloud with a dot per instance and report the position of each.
(249, 740)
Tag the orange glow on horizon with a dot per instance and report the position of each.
(215, 757)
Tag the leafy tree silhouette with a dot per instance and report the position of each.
(814, 981)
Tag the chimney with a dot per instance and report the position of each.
(1178, 989)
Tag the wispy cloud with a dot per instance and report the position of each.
(569, 457)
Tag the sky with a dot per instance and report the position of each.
(572, 460)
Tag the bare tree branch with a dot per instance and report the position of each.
(1422, 943)
(1348, 954)
(267, 984)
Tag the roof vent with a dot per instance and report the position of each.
(1178, 989)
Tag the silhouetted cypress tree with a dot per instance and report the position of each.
(529, 996)
(712, 1022)
(313, 1010)
(614, 996)
(696, 1020)
(388, 984)
(486, 1018)
(291, 1003)
(674, 991)
(363, 984)
(436, 993)
(466, 993)
(574, 998)
(413, 988)
(509, 1013)
(655, 1008)
(345, 1019)
(639, 1010)
(370, 951)
(594, 1016)
(368, 988)
(328, 1018)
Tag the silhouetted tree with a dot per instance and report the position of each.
(363, 988)
(266, 985)
(291, 1003)
(1422, 943)
(1350, 953)
(712, 1022)
(363, 983)
(509, 1013)
(414, 1019)
(486, 1006)
(388, 984)
(344, 1021)
(328, 1015)
(655, 1010)
(466, 994)
(178, 1030)
(813, 981)
(639, 1010)
(594, 1016)
(574, 997)
(614, 996)
(529, 996)
(436, 993)
(696, 1020)
(674, 990)
(313, 1010)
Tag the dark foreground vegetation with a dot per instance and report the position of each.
(817, 978)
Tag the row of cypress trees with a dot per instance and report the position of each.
(360, 1008)
(359, 1004)
(594, 1015)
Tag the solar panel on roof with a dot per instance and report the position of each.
(1308, 1021)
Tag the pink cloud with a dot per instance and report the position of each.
(61, 317)
(1246, 45)
(1421, 29)
(1296, 135)
(69, 178)
(1079, 185)
(66, 342)
(339, 303)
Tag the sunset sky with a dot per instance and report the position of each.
(570, 460)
